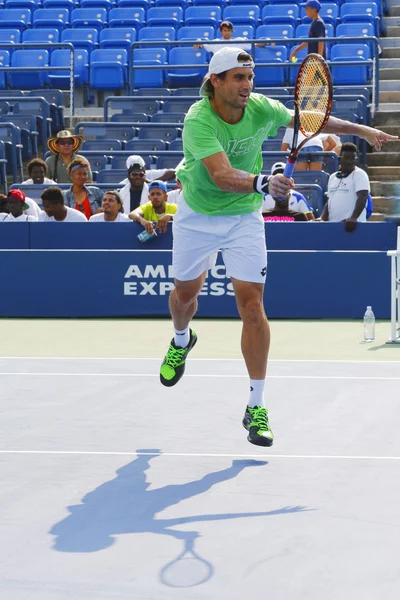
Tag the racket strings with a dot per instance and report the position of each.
(313, 95)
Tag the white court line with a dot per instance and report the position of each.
(199, 455)
(272, 360)
(208, 376)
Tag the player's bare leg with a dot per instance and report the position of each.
(255, 349)
(183, 306)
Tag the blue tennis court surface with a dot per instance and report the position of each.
(115, 487)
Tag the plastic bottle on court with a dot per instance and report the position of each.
(369, 325)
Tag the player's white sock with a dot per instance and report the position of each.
(181, 338)
(256, 393)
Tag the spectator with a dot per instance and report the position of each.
(158, 209)
(3, 204)
(16, 208)
(348, 191)
(85, 199)
(317, 30)
(112, 209)
(331, 142)
(37, 171)
(151, 174)
(173, 195)
(136, 190)
(54, 209)
(312, 146)
(226, 30)
(295, 200)
(64, 147)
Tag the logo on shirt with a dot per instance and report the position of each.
(246, 145)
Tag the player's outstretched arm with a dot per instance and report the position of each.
(374, 137)
(232, 180)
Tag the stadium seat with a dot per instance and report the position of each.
(176, 145)
(165, 15)
(111, 176)
(203, 15)
(270, 75)
(167, 33)
(97, 162)
(104, 131)
(11, 137)
(57, 18)
(175, 105)
(146, 4)
(108, 69)
(129, 118)
(81, 37)
(101, 145)
(184, 56)
(196, 32)
(69, 4)
(29, 133)
(280, 13)
(356, 30)
(26, 80)
(246, 31)
(4, 62)
(18, 4)
(187, 91)
(89, 17)
(37, 36)
(314, 177)
(158, 133)
(137, 146)
(243, 15)
(107, 4)
(294, 70)
(378, 3)
(12, 36)
(62, 58)
(278, 30)
(182, 3)
(315, 198)
(131, 104)
(350, 74)
(360, 12)
(18, 18)
(117, 37)
(127, 17)
(329, 13)
(5, 107)
(149, 77)
(40, 109)
(219, 3)
(158, 93)
(168, 162)
(271, 145)
(55, 100)
(173, 117)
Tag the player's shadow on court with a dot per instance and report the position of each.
(126, 505)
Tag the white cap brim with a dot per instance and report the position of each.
(224, 60)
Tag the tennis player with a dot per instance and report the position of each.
(219, 209)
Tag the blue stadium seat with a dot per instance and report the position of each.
(129, 118)
(378, 3)
(315, 198)
(176, 145)
(357, 30)
(81, 37)
(119, 162)
(127, 17)
(271, 145)
(329, 13)
(274, 75)
(157, 93)
(168, 162)
(166, 133)
(146, 4)
(173, 117)
(187, 91)
(98, 162)
(111, 176)
(280, 13)
(4, 62)
(196, 32)
(104, 131)
(220, 4)
(278, 30)
(18, 4)
(40, 109)
(245, 15)
(131, 104)
(11, 137)
(5, 107)
(360, 12)
(27, 80)
(149, 77)
(157, 33)
(101, 145)
(89, 17)
(108, 69)
(203, 15)
(106, 4)
(246, 31)
(19, 18)
(182, 3)
(51, 17)
(55, 100)
(69, 4)
(137, 146)
(350, 74)
(184, 56)
(176, 105)
(29, 133)
(165, 15)
(312, 177)
(62, 58)
(48, 36)
(117, 37)
(12, 36)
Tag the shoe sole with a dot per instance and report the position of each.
(170, 382)
(262, 442)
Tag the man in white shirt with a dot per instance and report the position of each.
(348, 191)
(37, 171)
(294, 201)
(54, 209)
(16, 203)
(136, 190)
(112, 209)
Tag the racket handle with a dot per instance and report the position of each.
(289, 168)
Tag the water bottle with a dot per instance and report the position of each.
(144, 236)
(369, 325)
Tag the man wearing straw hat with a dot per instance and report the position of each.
(64, 148)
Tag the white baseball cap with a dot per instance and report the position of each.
(134, 159)
(278, 167)
(224, 60)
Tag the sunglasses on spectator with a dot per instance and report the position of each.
(65, 142)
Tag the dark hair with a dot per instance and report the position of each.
(37, 162)
(348, 147)
(118, 198)
(53, 195)
(242, 57)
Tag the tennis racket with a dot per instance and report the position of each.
(312, 104)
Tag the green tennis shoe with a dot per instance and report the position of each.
(173, 366)
(256, 422)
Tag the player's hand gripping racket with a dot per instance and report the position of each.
(312, 104)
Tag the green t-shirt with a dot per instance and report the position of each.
(205, 133)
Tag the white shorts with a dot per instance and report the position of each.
(197, 239)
